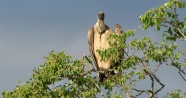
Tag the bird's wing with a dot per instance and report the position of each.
(91, 45)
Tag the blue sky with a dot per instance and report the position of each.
(30, 29)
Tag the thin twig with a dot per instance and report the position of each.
(180, 31)
(162, 85)
(85, 56)
(152, 86)
(157, 66)
(182, 76)
(140, 92)
(181, 72)
(157, 80)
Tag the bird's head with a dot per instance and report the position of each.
(101, 15)
(118, 28)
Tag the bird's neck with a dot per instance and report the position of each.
(100, 21)
(101, 26)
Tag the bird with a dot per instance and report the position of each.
(98, 40)
(118, 29)
(120, 53)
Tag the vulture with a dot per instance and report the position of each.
(119, 31)
(98, 40)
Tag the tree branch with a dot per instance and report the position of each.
(99, 89)
(92, 69)
(162, 85)
(125, 90)
(182, 76)
(157, 80)
(157, 66)
(181, 72)
(152, 86)
(180, 31)
(140, 92)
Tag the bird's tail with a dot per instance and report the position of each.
(103, 77)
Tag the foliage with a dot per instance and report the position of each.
(58, 67)
(142, 60)
(166, 16)
(176, 94)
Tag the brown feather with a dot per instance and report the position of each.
(91, 45)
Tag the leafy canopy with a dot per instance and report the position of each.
(142, 60)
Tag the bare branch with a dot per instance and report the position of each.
(49, 88)
(162, 85)
(182, 76)
(152, 86)
(157, 66)
(157, 80)
(140, 92)
(181, 72)
(85, 56)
